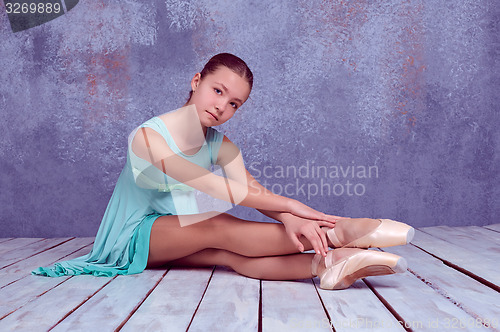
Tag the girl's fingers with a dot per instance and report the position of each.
(322, 236)
(330, 224)
(327, 217)
(298, 244)
(319, 241)
(316, 243)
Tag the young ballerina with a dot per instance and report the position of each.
(153, 220)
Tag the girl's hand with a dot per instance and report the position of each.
(304, 220)
(297, 226)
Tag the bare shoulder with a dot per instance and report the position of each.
(148, 141)
(228, 151)
(146, 136)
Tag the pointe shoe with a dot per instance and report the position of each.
(359, 263)
(389, 233)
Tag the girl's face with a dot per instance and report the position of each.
(218, 95)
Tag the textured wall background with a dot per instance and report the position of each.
(409, 88)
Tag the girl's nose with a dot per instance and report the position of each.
(221, 105)
(219, 108)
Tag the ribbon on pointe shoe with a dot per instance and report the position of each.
(315, 263)
(388, 233)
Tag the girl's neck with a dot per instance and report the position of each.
(191, 120)
(185, 127)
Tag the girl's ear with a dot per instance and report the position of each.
(195, 81)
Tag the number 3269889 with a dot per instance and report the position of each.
(32, 8)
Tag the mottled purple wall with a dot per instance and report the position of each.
(407, 87)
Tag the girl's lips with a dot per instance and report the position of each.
(212, 115)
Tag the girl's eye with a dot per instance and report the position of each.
(233, 105)
(217, 91)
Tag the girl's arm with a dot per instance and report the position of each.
(151, 146)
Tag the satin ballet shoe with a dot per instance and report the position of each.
(387, 234)
(359, 263)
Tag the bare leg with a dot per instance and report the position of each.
(286, 267)
(170, 241)
(254, 249)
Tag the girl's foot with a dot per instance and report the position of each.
(342, 267)
(368, 233)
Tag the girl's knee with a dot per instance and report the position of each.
(222, 221)
(228, 258)
(219, 257)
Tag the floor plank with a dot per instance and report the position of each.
(172, 304)
(24, 267)
(478, 241)
(478, 300)
(491, 235)
(4, 239)
(493, 227)
(29, 287)
(45, 311)
(25, 290)
(357, 308)
(15, 255)
(419, 306)
(112, 304)
(483, 267)
(281, 300)
(230, 303)
(17, 243)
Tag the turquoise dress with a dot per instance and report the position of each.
(142, 194)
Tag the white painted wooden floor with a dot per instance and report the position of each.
(452, 284)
